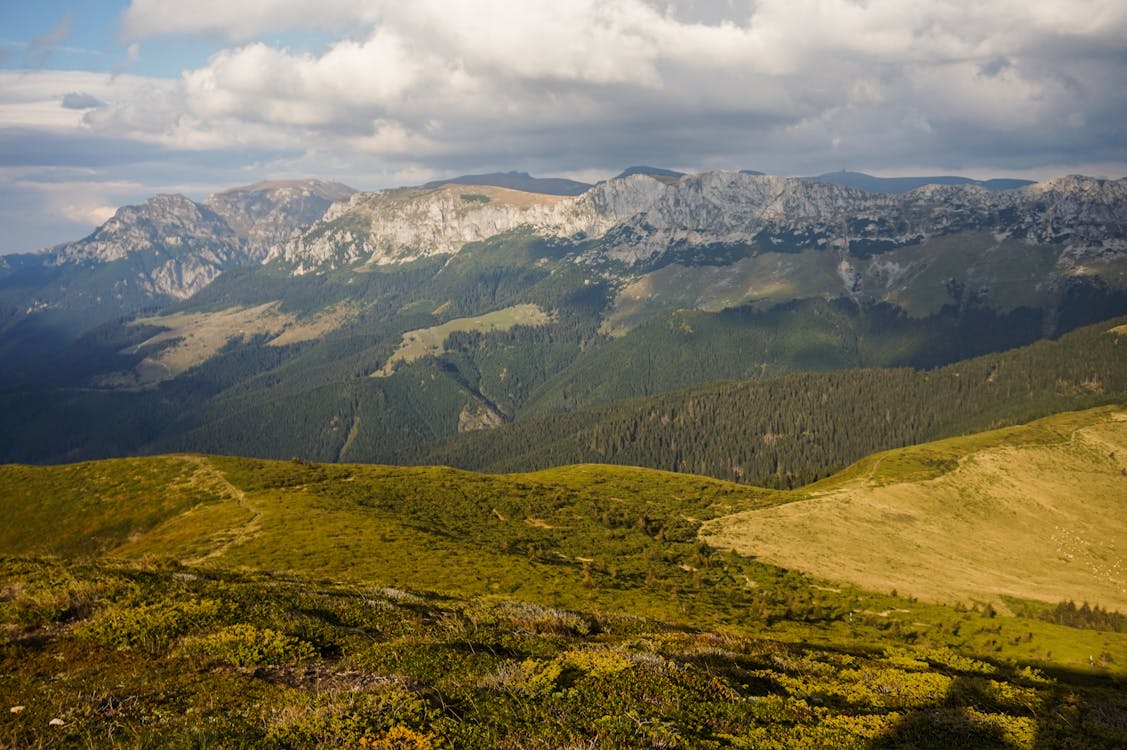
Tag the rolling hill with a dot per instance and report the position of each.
(209, 600)
(1029, 512)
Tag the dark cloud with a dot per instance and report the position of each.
(22, 147)
(79, 100)
(993, 67)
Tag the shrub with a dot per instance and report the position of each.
(400, 738)
(244, 645)
(349, 719)
(152, 627)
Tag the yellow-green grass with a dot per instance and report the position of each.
(913, 277)
(94, 507)
(196, 337)
(579, 536)
(113, 654)
(766, 278)
(429, 341)
(1010, 269)
(604, 539)
(1034, 512)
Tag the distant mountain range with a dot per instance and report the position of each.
(517, 181)
(306, 318)
(863, 181)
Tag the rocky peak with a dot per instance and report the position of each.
(640, 216)
(166, 223)
(401, 225)
(167, 247)
(266, 214)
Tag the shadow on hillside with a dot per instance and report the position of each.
(1075, 710)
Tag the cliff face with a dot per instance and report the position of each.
(399, 226)
(173, 247)
(169, 248)
(639, 217)
(265, 215)
(786, 213)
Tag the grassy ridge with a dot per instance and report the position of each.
(1034, 511)
(92, 508)
(600, 538)
(572, 607)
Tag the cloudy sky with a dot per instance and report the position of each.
(105, 102)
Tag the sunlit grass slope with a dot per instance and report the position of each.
(552, 535)
(1035, 512)
(197, 601)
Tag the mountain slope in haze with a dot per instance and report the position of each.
(668, 176)
(156, 253)
(640, 286)
(872, 184)
(517, 181)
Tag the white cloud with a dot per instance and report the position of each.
(412, 90)
(260, 83)
(240, 20)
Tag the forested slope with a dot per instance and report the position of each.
(799, 428)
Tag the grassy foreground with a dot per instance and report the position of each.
(149, 655)
(194, 601)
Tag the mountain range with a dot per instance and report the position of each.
(306, 318)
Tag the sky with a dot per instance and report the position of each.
(105, 103)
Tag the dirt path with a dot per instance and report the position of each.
(228, 538)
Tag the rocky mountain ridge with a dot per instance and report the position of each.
(723, 208)
(638, 217)
(265, 214)
(170, 247)
(314, 226)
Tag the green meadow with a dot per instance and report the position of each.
(204, 601)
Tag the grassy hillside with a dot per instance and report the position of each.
(147, 656)
(1029, 512)
(239, 602)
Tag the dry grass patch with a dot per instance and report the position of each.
(1035, 520)
(199, 336)
(425, 342)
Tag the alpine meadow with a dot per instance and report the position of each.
(680, 456)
